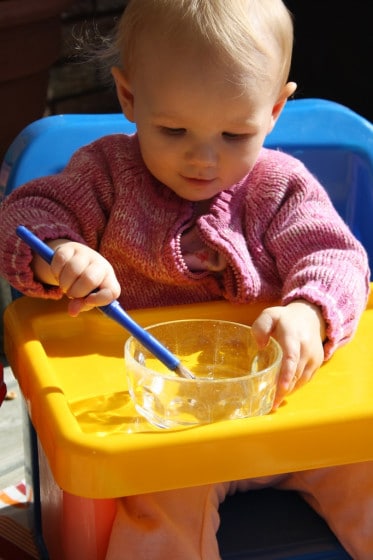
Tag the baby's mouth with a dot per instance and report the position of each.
(199, 180)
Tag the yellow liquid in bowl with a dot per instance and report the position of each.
(200, 369)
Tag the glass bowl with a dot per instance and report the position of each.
(233, 378)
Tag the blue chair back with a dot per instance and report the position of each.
(335, 143)
(45, 146)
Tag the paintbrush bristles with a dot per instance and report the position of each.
(184, 372)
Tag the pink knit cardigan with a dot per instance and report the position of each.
(277, 229)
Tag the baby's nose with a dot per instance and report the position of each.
(203, 154)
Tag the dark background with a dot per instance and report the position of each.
(332, 56)
(333, 52)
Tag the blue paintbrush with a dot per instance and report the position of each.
(115, 312)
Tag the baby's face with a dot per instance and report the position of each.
(199, 133)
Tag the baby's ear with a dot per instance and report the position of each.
(124, 92)
(286, 92)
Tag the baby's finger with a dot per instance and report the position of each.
(97, 298)
(292, 378)
(76, 306)
(286, 379)
(290, 371)
(83, 282)
(62, 255)
(103, 296)
(263, 326)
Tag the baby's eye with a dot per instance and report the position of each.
(235, 136)
(172, 131)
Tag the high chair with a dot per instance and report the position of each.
(88, 447)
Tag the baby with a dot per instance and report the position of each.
(192, 208)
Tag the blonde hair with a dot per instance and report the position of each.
(255, 37)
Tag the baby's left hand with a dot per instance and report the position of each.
(299, 328)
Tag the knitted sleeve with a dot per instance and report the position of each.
(316, 255)
(73, 204)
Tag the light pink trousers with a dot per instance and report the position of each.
(182, 524)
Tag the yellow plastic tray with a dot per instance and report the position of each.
(71, 373)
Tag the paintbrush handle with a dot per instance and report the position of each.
(116, 312)
(36, 244)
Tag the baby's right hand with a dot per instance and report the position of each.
(84, 275)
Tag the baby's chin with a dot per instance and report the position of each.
(195, 190)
